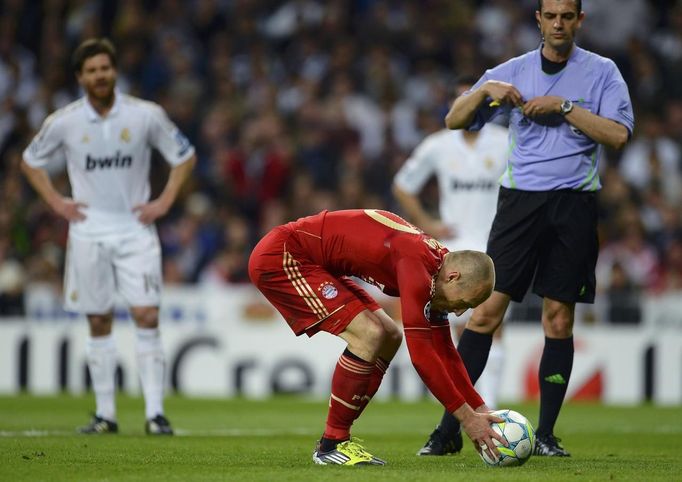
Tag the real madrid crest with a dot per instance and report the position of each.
(125, 135)
(328, 290)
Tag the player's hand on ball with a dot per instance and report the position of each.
(477, 427)
(484, 409)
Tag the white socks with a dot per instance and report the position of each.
(489, 382)
(100, 353)
(151, 365)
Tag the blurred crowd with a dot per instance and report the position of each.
(302, 105)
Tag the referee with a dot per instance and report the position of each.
(564, 103)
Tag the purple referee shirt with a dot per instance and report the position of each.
(548, 153)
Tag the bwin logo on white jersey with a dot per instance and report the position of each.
(117, 161)
(474, 184)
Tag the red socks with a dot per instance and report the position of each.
(375, 379)
(350, 390)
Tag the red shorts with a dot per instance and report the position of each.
(309, 298)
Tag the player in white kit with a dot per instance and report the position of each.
(107, 138)
(467, 166)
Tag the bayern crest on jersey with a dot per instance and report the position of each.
(328, 290)
(427, 311)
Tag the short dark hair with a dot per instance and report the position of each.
(90, 48)
(578, 3)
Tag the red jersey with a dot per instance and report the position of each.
(379, 247)
(401, 260)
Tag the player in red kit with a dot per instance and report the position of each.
(303, 269)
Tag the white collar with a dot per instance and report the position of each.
(93, 115)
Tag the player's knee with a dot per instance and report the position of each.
(485, 322)
(146, 317)
(558, 327)
(393, 336)
(557, 319)
(375, 335)
(367, 336)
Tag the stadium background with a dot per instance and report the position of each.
(306, 105)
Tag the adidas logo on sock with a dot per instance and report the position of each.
(556, 378)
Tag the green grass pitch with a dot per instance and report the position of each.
(273, 440)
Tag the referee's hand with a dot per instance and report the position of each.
(542, 106)
(502, 93)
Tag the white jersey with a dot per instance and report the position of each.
(467, 180)
(108, 158)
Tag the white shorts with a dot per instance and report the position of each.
(97, 269)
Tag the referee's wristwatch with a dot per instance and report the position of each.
(566, 106)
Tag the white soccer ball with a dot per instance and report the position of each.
(521, 437)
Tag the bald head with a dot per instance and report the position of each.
(476, 269)
(466, 280)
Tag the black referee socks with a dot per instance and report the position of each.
(555, 371)
(474, 348)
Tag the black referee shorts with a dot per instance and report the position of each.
(549, 235)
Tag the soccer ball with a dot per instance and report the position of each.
(521, 437)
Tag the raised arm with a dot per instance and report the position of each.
(600, 129)
(612, 121)
(464, 107)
